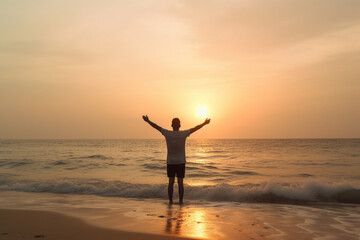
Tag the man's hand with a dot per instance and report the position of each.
(154, 125)
(207, 121)
(146, 118)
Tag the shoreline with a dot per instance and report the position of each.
(65, 216)
(25, 224)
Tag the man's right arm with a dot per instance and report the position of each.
(207, 121)
(154, 125)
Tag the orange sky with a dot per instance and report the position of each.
(262, 69)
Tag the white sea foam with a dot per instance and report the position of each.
(267, 192)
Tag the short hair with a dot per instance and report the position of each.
(175, 123)
(175, 120)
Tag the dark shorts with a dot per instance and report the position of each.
(176, 169)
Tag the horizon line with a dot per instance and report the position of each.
(275, 138)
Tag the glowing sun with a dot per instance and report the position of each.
(202, 112)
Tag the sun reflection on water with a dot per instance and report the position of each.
(199, 226)
(186, 223)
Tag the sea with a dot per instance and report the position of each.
(219, 172)
(231, 170)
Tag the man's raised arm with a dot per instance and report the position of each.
(154, 125)
(207, 121)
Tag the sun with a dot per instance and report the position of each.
(202, 112)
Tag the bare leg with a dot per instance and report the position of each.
(171, 189)
(181, 189)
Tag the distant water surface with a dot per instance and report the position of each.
(271, 170)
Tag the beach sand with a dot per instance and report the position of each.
(66, 216)
(26, 224)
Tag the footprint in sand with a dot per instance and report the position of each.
(39, 236)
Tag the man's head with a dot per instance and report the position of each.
(176, 124)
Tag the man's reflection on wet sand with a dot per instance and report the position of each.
(174, 220)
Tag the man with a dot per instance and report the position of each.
(175, 142)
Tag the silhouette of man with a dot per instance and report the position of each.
(175, 142)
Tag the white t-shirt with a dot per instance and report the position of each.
(175, 142)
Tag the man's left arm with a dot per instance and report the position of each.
(154, 125)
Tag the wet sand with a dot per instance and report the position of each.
(26, 224)
(66, 216)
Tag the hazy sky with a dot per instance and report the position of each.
(262, 69)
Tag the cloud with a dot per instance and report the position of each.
(243, 30)
(297, 61)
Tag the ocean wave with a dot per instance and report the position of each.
(322, 164)
(267, 192)
(198, 174)
(15, 163)
(211, 167)
(98, 156)
(213, 157)
(192, 168)
(154, 166)
(85, 166)
(215, 151)
(59, 163)
(237, 172)
(117, 164)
